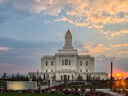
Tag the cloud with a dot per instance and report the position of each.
(111, 50)
(72, 22)
(111, 34)
(91, 48)
(123, 52)
(4, 48)
(24, 56)
(84, 13)
(97, 16)
(120, 45)
(88, 13)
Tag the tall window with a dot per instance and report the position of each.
(86, 63)
(51, 62)
(80, 63)
(86, 70)
(51, 70)
(80, 70)
(62, 62)
(66, 62)
(46, 70)
(46, 63)
(69, 62)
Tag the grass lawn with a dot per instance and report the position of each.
(29, 94)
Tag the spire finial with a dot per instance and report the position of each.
(68, 30)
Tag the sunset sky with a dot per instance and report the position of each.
(30, 29)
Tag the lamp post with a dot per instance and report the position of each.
(37, 78)
(111, 81)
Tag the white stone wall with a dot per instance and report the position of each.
(49, 67)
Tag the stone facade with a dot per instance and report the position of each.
(67, 64)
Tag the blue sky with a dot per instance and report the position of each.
(30, 29)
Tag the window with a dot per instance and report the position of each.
(80, 70)
(86, 63)
(62, 62)
(86, 70)
(46, 70)
(46, 63)
(66, 62)
(51, 62)
(51, 70)
(69, 62)
(81, 63)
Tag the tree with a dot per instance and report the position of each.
(4, 76)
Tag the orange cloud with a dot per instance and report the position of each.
(110, 34)
(120, 45)
(93, 49)
(97, 15)
(4, 48)
(123, 52)
(90, 13)
(112, 50)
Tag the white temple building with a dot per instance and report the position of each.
(67, 64)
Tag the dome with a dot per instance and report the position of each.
(68, 33)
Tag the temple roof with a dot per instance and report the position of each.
(68, 33)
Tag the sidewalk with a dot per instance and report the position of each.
(110, 92)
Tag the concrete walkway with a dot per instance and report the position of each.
(110, 92)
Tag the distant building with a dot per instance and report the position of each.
(67, 64)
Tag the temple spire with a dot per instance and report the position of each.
(68, 39)
(68, 33)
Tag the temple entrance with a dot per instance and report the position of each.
(65, 77)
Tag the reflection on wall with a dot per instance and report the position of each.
(21, 85)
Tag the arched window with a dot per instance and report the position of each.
(62, 62)
(86, 63)
(66, 62)
(46, 63)
(80, 63)
(68, 77)
(51, 62)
